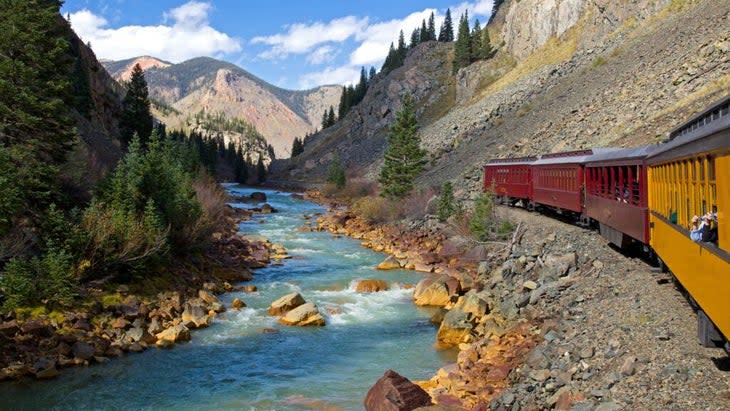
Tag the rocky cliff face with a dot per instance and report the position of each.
(359, 139)
(581, 74)
(213, 86)
(98, 148)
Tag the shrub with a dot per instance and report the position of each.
(121, 242)
(49, 279)
(446, 206)
(376, 209)
(481, 224)
(336, 174)
(417, 204)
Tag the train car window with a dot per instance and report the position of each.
(701, 164)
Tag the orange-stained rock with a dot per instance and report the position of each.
(304, 315)
(390, 263)
(371, 285)
(393, 392)
(286, 303)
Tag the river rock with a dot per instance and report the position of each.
(432, 291)
(268, 209)
(456, 325)
(36, 328)
(258, 196)
(195, 316)
(9, 328)
(286, 303)
(172, 335)
(44, 369)
(390, 263)
(237, 304)
(475, 304)
(304, 315)
(393, 392)
(371, 286)
(208, 297)
(82, 350)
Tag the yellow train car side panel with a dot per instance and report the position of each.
(722, 178)
(704, 274)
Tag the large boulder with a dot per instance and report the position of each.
(456, 325)
(393, 392)
(258, 196)
(474, 303)
(82, 350)
(286, 304)
(371, 285)
(303, 315)
(435, 291)
(208, 297)
(390, 263)
(195, 315)
(172, 335)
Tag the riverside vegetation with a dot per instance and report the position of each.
(67, 249)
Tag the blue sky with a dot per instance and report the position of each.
(292, 44)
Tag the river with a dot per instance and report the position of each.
(235, 365)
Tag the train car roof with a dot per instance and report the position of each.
(623, 153)
(704, 132)
(572, 157)
(511, 161)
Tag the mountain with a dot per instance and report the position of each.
(567, 74)
(205, 84)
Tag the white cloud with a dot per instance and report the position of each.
(372, 40)
(322, 55)
(331, 75)
(189, 35)
(301, 38)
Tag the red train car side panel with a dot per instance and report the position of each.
(558, 185)
(616, 191)
(509, 177)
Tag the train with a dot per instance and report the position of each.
(646, 196)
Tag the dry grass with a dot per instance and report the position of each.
(376, 209)
(419, 203)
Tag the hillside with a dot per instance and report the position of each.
(214, 86)
(567, 79)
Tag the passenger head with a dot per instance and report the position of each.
(695, 219)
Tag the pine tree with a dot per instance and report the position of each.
(415, 37)
(403, 158)
(423, 32)
(371, 75)
(331, 119)
(487, 50)
(325, 120)
(260, 170)
(136, 117)
(476, 42)
(36, 130)
(446, 206)
(344, 107)
(297, 147)
(401, 51)
(462, 49)
(446, 34)
(336, 174)
(431, 27)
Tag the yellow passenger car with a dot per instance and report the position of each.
(690, 176)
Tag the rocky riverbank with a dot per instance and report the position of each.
(114, 320)
(552, 319)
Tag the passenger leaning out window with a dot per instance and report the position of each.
(696, 229)
(709, 234)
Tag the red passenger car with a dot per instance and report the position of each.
(509, 178)
(616, 194)
(557, 179)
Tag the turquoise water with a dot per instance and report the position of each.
(235, 365)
